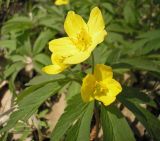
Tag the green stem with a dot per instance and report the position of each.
(96, 111)
(92, 55)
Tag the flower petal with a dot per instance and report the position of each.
(95, 22)
(61, 2)
(96, 26)
(77, 58)
(63, 46)
(102, 72)
(53, 69)
(114, 87)
(87, 88)
(73, 24)
(106, 100)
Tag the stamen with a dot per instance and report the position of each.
(83, 40)
(100, 88)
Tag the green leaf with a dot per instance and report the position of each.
(45, 78)
(43, 59)
(130, 12)
(16, 58)
(137, 97)
(73, 132)
(16, 24)
(150, 34)
(4, 137)
(135, 48)
(141, 63)
(73, 111)
(73, 89)
(27, 91)
(152, 45)
(108, 7)
(38, 66)
(119, 27)
(7, 3)
(151, 123)
(13, 68)
(149, 41)
(42, 41)
(114, 125)
(9, 44)
(26, 44)
(29, 104)
(100, 54)
(81, 129)
(84, 129)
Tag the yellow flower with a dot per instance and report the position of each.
(82, 37)
(100, 86)
(61, 2)
(57, 65)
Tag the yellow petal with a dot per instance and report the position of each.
(77, 58)
(98, 38)
(61, 2)
(63, 46)
(53, 69)
(106, 100)
(73, 24)
(102, 72)
(114, 87)
(96, 26)
(87, 88)
(58, 60)
(96, 22)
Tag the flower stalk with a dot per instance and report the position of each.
(92, 56)
(96, 111)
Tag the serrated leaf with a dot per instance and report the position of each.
(114, 125)
(130, 12)
(152, 45)
(144, 45)
(150, 34)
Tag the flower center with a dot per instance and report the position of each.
(100, 88)
(83, 40)
(58, 60)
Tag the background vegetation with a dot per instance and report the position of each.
(27, 96)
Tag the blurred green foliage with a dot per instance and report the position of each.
(131, 46)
